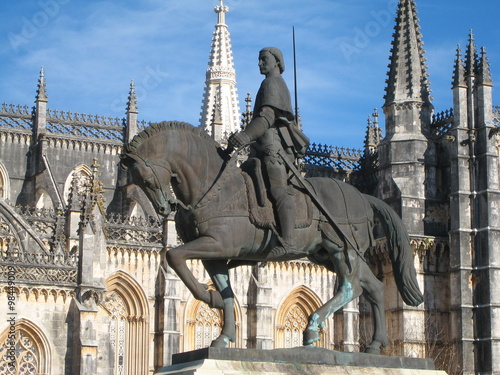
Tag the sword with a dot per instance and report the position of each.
(317, 201)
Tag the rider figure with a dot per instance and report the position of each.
(273, 129)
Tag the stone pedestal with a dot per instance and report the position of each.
(296, 361)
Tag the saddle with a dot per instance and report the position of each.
(260, 208)
(349, 209)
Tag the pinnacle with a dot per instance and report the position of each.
(373, 132)
(41, 92)
(220, 87)
(470, 56)
(221, 10)
(483, 68)
(459, 71)
(132, 99)
(407, 69)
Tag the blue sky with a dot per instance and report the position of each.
(91, 50)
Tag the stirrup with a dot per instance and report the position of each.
(284, 249)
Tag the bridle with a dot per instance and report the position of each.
(167, 195)
(205, 199)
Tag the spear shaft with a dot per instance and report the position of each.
(295, 78)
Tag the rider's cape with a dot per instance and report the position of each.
(274, 93)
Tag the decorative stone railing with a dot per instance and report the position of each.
(133, 231)
(496, 115)
(340, 158)
(442, 122)
(16, 117)
(82, 125)
(67, 124)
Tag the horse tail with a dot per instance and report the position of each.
(399, 251)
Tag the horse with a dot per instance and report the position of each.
(181, 167)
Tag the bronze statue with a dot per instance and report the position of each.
(272, 129)
(219, 223)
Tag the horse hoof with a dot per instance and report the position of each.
(369, 350)
(373, 348)
(216, 301)
(310, 337)
(221, 342)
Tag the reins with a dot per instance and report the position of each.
(213, 190)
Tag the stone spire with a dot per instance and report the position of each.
(93, 197)
(459, 71)
(41, 99)
(407, 76)
(131, 128)
(217, 124)
(132, 99)
(373, 133)
(483, 69)
(220, 84)
(247, 115)
(408, 113)
(470, 57)
(41, 92)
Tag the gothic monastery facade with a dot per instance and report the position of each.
(84, 288)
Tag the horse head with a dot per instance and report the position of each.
(154, 179)
(172, 162)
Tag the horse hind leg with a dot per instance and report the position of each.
(349, 289)
(374, 293)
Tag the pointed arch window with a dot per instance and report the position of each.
(10, 243)
(207, 325)
(43, 200)
(126, 304)
(4, 183)
(74, 188)
(295, 323)
(204, 324)
(117, 330)
(31, 350)
(293, 316)
(2, 186)
(136, 211)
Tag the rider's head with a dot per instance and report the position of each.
(277, 55)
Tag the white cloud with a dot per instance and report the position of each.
(92, 50)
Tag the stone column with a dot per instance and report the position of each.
(91, 274)
(460, 234)
(487, 222)
(84, 348)
(260, 310)
(169, 329)
(351, 326)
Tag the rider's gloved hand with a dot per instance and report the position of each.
(237, 140)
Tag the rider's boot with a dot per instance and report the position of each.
(286, 216)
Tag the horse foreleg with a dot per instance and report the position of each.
(201, 248)
(349, 289)
(219, 273)
(374, 293)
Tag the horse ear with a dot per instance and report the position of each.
(126, 160)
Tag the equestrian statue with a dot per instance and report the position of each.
(228, 216)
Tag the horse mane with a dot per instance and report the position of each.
(159, 127)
